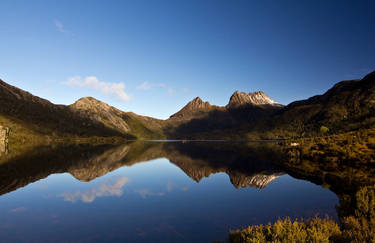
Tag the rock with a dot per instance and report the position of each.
(4, 134)
(258, 180)
(256, 98)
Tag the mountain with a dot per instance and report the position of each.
(34, 118)
(30, 116)
(256, 98)
(198, 119)
(193, 108)
(100, 112)
(123, 122)
(348, 105)
(197, 107)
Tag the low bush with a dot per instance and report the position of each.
(314, 230)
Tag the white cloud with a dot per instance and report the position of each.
(103, 191)
(170, 92)
(144, 86)
(147, 86)
(59, 26)
(92, 82)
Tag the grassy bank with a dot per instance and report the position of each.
(357, 147)
(356, 213)
(314, 230)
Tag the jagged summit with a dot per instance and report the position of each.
(255, 98)
(196, 107)
(258, 180)
(197, 104)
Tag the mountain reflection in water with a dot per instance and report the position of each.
(196, 159)
(248, 165)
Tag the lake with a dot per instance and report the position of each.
(177, 191)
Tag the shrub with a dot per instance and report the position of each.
(314, 230)
(360, 227)
(324, 129)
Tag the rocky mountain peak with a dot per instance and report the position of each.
(89, 102)
(197, 104)
(258, 180)
(100, 112)
(254, 98)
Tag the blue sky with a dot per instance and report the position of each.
(152, 57)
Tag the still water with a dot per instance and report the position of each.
(149, 192)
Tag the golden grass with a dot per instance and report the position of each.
(286, 230)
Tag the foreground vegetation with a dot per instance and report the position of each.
(345, 164)
(357, 217)
(357, 147)
(314, 230)
(357, 225)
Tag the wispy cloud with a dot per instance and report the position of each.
(170, 91)
(92, 82)
(146, 192)
(171, 186)
(148, 86)
(17, 210)
(104, 190)
(184, 188)
(59, 26)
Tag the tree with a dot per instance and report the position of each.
(324, 129)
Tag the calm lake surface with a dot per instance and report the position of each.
(149, 192)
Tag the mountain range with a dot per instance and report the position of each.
(348, 105)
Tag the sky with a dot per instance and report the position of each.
(152, 57)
